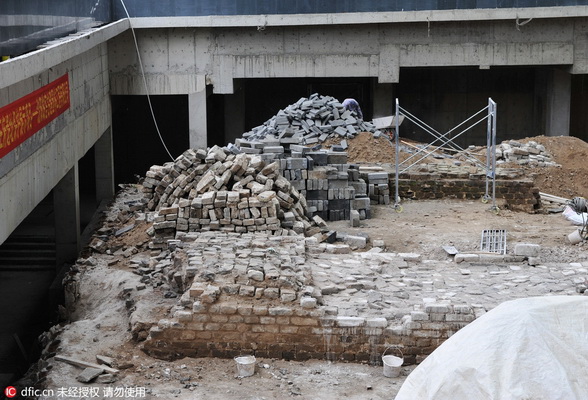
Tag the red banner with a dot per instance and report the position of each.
(24, 117)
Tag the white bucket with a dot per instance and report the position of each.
(392, 364)
(575, 237)
(245, 366)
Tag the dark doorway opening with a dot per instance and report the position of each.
(137, 145)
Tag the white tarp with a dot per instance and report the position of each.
(574, 217)
(534, 348)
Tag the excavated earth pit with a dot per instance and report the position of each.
(172, 314)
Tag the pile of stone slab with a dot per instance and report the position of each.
(530, 153)
(308, 121)
(332, 187)
(377, 184)
(218, 190)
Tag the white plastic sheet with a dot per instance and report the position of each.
(534, 348)
(574, 217)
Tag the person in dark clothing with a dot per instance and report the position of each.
(353, 105)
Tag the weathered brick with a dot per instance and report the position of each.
(303, 321)
(212, 326)
(376, 322)
(219, 318)
(228, 309)
(244, 309)
(437, 308)
(419, 316)
(260, 310)
(280, 311)
(350, 321)
(288, 329)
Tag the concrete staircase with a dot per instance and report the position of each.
(27, 269)
(29, 253)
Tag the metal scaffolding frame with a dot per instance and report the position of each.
(446, 139)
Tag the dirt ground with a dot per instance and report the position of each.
(422, 227)
(569, 180)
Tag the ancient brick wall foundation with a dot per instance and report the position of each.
(516, 194)
(293, 333)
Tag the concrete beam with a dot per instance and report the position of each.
(267, 21)
(36, 62)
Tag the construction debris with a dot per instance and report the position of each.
(530, 153)
(85, 364)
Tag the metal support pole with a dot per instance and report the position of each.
(494, 111)
(397, 206)
(486, 197)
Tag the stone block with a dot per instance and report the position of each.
(183, 316)
(246, 290)
(376, 322)
(462, 257)
(337, 158)
(287, 295)
(527, 249)
(354, 218)
(436, 308)
(349, 322)
(419, 316)
(308, 302)
(280, 311)
(358, 242)
(89, 374)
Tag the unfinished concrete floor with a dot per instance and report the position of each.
(101, 322)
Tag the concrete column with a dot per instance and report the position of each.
(104, 164)
(383, 100)
(234, 105)
(558, 103)
(66, 203)
(197, 119)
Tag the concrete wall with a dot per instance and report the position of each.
(178, 59)
(33, 169)
(184, 55)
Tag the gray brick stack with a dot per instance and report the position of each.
(218, 190)
(378, 186)
(308, 121)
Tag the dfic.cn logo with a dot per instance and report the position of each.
(10, 392)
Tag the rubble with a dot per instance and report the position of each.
(530, 153)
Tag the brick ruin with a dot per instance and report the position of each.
(254, 294)
(244, 231)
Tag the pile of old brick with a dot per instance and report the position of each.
(308, 121)
(530, 153)
(217, 190)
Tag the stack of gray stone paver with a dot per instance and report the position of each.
(331, 190)
(308, 121)
(218, 190)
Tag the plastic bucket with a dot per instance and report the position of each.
(575, 237)
(392, 364)
(245, 366)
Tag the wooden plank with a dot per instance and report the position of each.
(85, 364)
